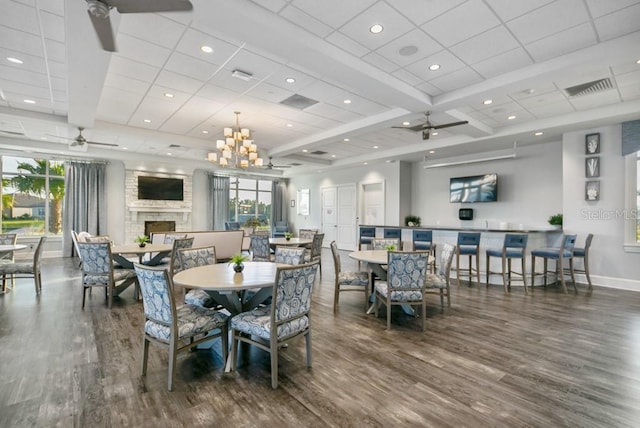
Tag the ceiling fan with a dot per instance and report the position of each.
(80, 141)
(270, 165)
(427, 126)
(98, 11)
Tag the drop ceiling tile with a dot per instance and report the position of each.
(359, 105)
(419, 12)
(618, 23)
(31, 62)
(133, 69)
(218, 94)
(381, 13)
(151, 109)
(417, 38)
(447, 61)
(331, 112)
(334, 13)
(56, 51)
(19, 17)
(278, 77)
(53, 26)
(140, 50)
(630, 78)
(600, 99)
(629, 92)
(547, 20)
(190, 66)
(429, 89)
(584, 76)
(561, 43)
(19, 41)
(306, 21)
(407, 77)
(273, 5)
(509, 9)
(540, 100)
(267, 92)
(322, 91)
(599, 8)
(224, 79)
(59, 85)
(151, 28)
(470, 19)
(16, 75)
(486, 45)
(16, 93)
(193, 40)
(257, 65)
(178, 82)
(130, 85)
(57, 69)
(117, 105)
(521, 116)
(158, 92)
(551, 109)
(380, 62)
(503, 63)
(52, 6)
(191, 115)
(347, 44)
(534, 91)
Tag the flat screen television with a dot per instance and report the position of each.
(476, 188)
(160, 188)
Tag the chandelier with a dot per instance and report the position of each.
(236, 150)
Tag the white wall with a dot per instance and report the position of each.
(116, 201)
(529, 190)
(200, 210)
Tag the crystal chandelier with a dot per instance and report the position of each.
(236, 149)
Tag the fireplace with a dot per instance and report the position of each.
(159, 226)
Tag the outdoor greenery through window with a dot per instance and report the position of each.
(250, 202)
(32, 194)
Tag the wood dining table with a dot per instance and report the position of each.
(157, 252)
(291, 242)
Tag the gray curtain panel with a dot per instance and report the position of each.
(279, 207)
(218, 200)
(85, 201)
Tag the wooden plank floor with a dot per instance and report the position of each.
(542, 360)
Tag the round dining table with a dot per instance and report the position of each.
(291, 242)
(157, 251)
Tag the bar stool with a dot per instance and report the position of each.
(423, 240)
(564, 252)
(366, 236)
(513, 247)
(394, 233)
(583, 253)
(468, 245)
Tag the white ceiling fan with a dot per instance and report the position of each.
(427, 126)
(98, 11)
(270, 165)
(80, 141)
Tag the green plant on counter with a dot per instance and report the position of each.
(555, 220)
(412, 220)
(390, 247)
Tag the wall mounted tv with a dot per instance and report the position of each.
(476, 188)
(160, 188)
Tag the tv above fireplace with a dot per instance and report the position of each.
(160, 188)
(476, 188)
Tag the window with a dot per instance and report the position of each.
(637, 204)
(32, 193)
(250, 200)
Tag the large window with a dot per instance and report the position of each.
(250, 200)
(32, 193)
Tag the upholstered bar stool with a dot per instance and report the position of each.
(583, 253)
(366, 236)
(468, 245)
(392, 233)
(423, 240)
(560, 254)
(513, 247)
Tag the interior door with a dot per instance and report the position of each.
(329, 214)
(373, 204)
(346, 226)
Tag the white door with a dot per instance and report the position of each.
(373, 204)
(346, 233)
(329, 214)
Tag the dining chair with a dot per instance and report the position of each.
(259, 248)
(440, 282)
(174, 258)
(315, 252)
(98, 238)
(559, 254)
(514, 246)
(286, 318)
(392, 233)
(348, 280)
(384, 243)
(468, 245)
(174, 327)
(280, 228)
(7, 256)
(307, 234)
(405, 284)
(583, 253)
(194, 257)
(170, 237)
(366, 235)
(290, 255)
(26, 269)
(423, 240)
(98, 271)
(74, 239)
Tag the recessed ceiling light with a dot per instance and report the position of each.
(511, 117)
(638, 61)
(529, 91)
(366, 163)
(487, 102)
(304, 150)
(146, 120)
(538, 133)
(168, 153)
(205, 132)
(124, 148)
(388, 161)
(434, 67)
(347, 101)
(375, 147)
(333, 156)
(14, 60)
(433, 134)
(376, 28)
(43, 138)
(168, 95)
(289, 125)
(406, 123)
(432, 152)
(29, 101)
(346, 139)
(290, 80)
(206, 49)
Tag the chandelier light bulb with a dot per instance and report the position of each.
(237, 149)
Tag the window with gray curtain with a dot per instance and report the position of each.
(279, 207)
(85, 201)
(218, 200)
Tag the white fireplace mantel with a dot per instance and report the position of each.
(135, 210)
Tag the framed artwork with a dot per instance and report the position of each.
(293, 203)
(303, 202)
(592, 167)
(592, 144)
(592, 191)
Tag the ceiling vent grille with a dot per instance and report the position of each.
(298, 101)
(318, 152)
(295, 164)
(589, 87)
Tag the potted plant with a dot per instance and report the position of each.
(412, 221)
(141, 240)
(237, 262)
(556, 220)
(288, 235)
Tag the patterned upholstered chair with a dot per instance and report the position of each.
(440, 283)
(259, 248)
(178, 328)
(405, 284)
(98, 238)
(382, 244)
(560, 254)
(178, 244)
(583, 253)
(307, 234)
(74, 239)
(98, 270)
(290, 255)
(26, 269)
(191, 258)
(170, 237)
(315, 252)
(468, 245)
(7, 256)
(513, 247)
(347, 280)
(287, 318)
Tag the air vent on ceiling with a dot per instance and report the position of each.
(318, 152)
(295, 164)
(589, 87)
(298, 101)
(174, 146)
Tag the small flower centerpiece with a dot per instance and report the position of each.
(288, 235)
(237, 262)
(141, 240)
(390, 247)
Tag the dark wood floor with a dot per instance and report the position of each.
(543, 360)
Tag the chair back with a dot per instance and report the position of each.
(380, 244)
(98, 238)
(170, 237)
(157, 298)
(194, 257)
(569, 242)
(587, 243)
(307, 233)
(515, 241)
(96, 258)
(281, 226)
(259, 247)
(422, 240)
(74, 239)
(291, 297)
(178, 244)
(231, 225)
(446, 258)
(316, 245)
(407, 270)
(468, 239)
(8, 239)
(392, 233)
(336, 257)
(290, 255)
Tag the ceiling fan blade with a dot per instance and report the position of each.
(448, 125)
(95, 143)
(142, 6)
(104, 32)
(11, 132)
(412, 128)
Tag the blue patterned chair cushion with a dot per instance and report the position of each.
(195, 257)
(435, 281)
(11, 268)
(192, 320)
(259, 248)
(199, 298)
(353, 278)
(402, 295)
(118, 275)
(290, 256)
(511, 252)
(258, 323)
(95, 258)
(551, 253)
(169, 238)
(468, 250)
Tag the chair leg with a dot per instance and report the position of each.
(274, 363)
(336, 297)
(376, 304)
(458, 267)
(424, 314)
(308, 341)
(388, 312)
(110, 295)
(224, 330)
(172, 362)
(477, 256)
(560, 272)
(487, 269)
(84, 295)
(145, 356)
(524, 273)
(234, 349)
(505, 283)
(585, 261)
(545, 266)
(442, 298)
(573, 279)
(38, 281)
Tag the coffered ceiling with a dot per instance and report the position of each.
(521, 55)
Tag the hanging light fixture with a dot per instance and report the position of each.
(237, 149)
